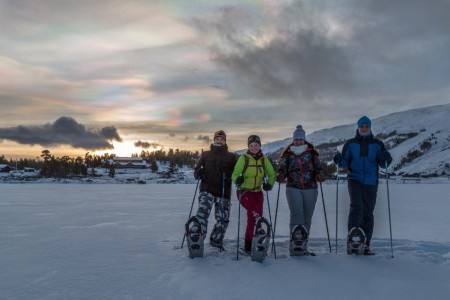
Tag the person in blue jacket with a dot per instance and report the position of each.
(363, 155)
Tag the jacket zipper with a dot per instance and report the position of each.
(302, 180)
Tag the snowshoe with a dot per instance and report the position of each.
(216, 238)
(244, 252)
(217, 244)
(195, 237)
(356, 241)
(299, 241)
(261, 239)
(368, 251)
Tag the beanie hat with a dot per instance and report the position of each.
(254, 139)
(299, 133)
(220, 133)
(364, 120)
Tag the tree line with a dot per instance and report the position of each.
(50, 165)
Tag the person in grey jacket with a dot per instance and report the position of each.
(300, 165)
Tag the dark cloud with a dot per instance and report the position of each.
(146, 145)
(380, 47)
(298, 62)
(64, 131)
(110, 133)
(204, 138)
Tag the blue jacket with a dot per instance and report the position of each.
(359, 155)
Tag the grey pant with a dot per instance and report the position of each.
(221, 214)
(301, 205)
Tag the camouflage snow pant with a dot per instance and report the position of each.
(221, 214)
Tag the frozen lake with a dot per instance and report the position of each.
(84, 241)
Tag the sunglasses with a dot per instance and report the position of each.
(364, 126)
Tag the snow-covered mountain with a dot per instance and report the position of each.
(418, 139)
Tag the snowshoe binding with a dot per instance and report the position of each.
(261, 239)
(299, 241)
(195, 237)
(356, 241)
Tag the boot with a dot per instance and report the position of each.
(248, 246)
(368, 251)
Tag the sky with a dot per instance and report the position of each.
(125, 76)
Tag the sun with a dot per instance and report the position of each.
(123, 149)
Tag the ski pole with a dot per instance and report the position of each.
(239, 223)
(325, 214)
(270, 216)
(275, 224)
(223, 207)
(337, 198)
(190, 212)
(389, 209)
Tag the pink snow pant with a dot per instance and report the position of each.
(253, 203)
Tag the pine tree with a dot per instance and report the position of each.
(172, 169)
(112, 171)
(154, 167)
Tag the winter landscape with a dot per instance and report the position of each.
(105, 106)
(122, 241)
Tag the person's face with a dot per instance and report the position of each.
(364, 129)
(298, 142)
(219, 140)
(254, 148)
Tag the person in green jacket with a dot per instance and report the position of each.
(249, 175)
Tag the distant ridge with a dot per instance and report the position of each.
(419, 140)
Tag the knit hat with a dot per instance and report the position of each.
(364, 120)
(299, 133)
(254, 139)
(220, 133)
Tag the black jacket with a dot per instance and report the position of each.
(216, 162)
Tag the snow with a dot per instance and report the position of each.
(122, 241)
(431, 124)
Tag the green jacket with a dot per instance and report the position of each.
(255, 172)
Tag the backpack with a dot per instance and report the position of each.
(247, 161)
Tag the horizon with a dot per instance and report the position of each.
(124, 147)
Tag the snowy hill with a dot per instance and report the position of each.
(418, 139)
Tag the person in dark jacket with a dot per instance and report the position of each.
(363, 155)
(214, 169)
(300, 164)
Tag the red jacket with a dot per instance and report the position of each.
(300, 169)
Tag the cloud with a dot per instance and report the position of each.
(316, 51)
(279, 56)
(146, 145)
(64, 131)
(204, 138)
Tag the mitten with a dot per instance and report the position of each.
(337, 158)
(267, 186)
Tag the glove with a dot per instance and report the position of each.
(319, 177)
(383, 157)
(267, 186)
(239, 180)
(200, 174)
(337, 158)
(280, 177)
